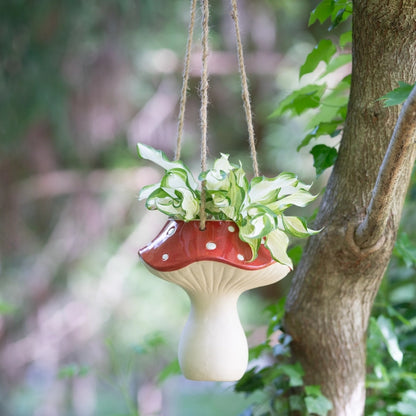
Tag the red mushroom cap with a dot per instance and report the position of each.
(182, 243)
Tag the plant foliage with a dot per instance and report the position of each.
(328, 105)
(256, 207)
(280, 384)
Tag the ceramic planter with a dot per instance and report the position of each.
(213, 266)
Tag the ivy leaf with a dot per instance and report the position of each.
(316, 402)
(294, 372)
(323, 51)
(251, 381)
(323, 157)
(318, 405)
(398, 95)
(301, 100)
(296, 402)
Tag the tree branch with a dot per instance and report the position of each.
(369, 232)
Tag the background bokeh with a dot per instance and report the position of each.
(84, 328)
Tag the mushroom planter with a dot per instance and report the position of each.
(213, 267)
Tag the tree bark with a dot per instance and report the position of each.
(334, 287)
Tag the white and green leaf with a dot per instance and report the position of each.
(277, 242)
(301, 198)
(265, 190)
(297, 227)
(159, 158)
(189, 204)
(147, 190)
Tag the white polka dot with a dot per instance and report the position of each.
(165, 257)
(171, 231)
(211, 246)
(231, 229)
(240, 257)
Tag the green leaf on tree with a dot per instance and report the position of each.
(301, 100)
(341, 15)
(251, 381)
(321, 12)
(345, 38)
(316, 402)
(322, 129)
(398, 95)
(296, 402)
(324, 157)
(333, 106)
(337, 10)
(318, 405)
(337, 62)
(294, 372)
(323, 51)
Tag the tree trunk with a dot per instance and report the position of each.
(335, 284)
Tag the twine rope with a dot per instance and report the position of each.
(245, 90)
(204, 84)
(204, 106)
(185, 79)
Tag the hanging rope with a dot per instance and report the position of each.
(185, 78)
(204, 94)
(204, 106)
(244, 87)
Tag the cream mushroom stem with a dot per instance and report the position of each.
(213, 345)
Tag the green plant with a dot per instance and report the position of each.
(281, 386)
(256, 206)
